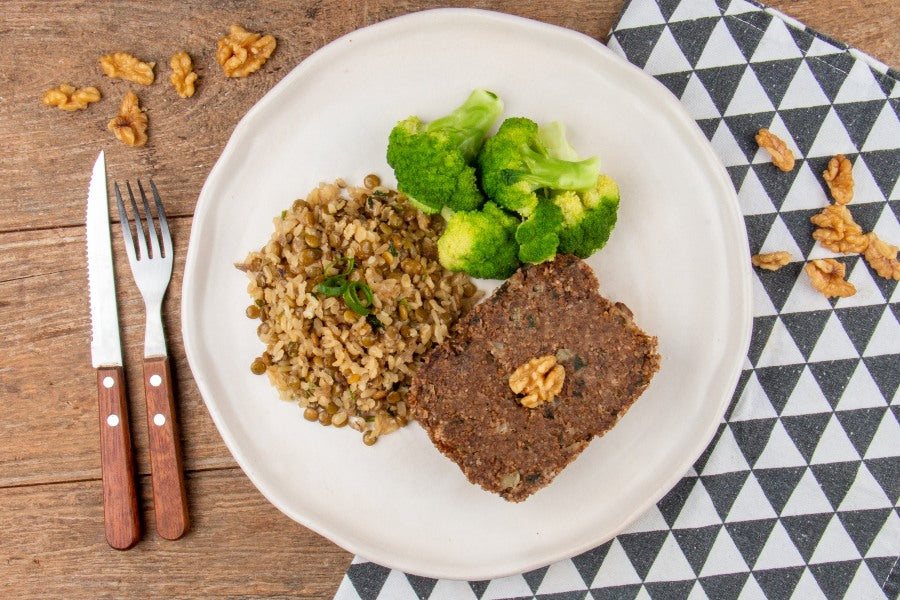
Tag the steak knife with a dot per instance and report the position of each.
(120, 507)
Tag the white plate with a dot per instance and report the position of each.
(678, 258)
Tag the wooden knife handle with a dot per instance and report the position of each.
(169, 496)
(120, 506)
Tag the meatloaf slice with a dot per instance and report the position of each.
(461, 394)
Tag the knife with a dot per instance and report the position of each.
(120, 508)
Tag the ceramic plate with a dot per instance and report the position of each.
(678, 258)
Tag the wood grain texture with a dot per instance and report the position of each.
(120, 503)
(239, 546)
(51, 515)
(169, 497)
(45, 344)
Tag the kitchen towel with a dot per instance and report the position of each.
(797, 495)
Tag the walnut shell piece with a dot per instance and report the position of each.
(771, 261)
(827, 276)
(882, 257)
(242, 52)
(125, 66)
(67, 97)
(538, 381)
(131, 124)
(837, 230)
(183, 76)
(782, 156)
(839, 177)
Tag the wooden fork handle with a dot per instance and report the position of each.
(120, 506)
(169, 496)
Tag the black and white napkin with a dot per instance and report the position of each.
(797, 495)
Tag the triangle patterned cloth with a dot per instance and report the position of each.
(797, 495)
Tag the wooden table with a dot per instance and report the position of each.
(51, 528)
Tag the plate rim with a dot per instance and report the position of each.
(666, 101)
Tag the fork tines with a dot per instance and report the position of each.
(155, 236)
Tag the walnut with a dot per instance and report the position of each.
(539, 380)
(837, 230)
(882, 257)
(125, 66)
(771, 261)
(839, 177)
(183, 76)
(782, 157)
(131, 124)
(827, 276)
(242, 52)
(66, 97)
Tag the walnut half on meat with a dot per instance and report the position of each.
(131, 124)
(539, 380)
(242, 52)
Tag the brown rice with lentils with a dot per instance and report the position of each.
(344, 368)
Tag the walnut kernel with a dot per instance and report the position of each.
(539, 380)
(241, 52)
(837, 230)
(183, 76)
(771, 261)
(66, 97)
(827, 276)
(125, 66)
(882, 257)
(131, 124)
(782, 157)
(839, 177)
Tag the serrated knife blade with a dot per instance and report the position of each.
(120, 509)
(106, 348)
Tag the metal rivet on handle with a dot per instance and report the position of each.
(112, 420)
(108, 382)
(159, 419)
(155, 380)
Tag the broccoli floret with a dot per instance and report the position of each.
(434, 162)
(537, 235)
(588, 217)
(553, 137)
(480, 242)
(515, 164)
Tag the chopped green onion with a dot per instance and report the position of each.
(374, 322)
(333, 286)
(392, 249)
(283, 214)
(350, 265)
(359, 305)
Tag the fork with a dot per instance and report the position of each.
(152, 271)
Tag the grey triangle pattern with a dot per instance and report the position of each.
(797, 493)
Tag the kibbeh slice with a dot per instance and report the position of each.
(461, 395)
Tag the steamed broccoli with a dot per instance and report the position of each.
(514, 164)
(433, 162)
(553, 137)
(481, 243)
(537, 235)
(587, 217)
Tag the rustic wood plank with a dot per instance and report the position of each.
(239, 545)
(46, 378)
(61, 41)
